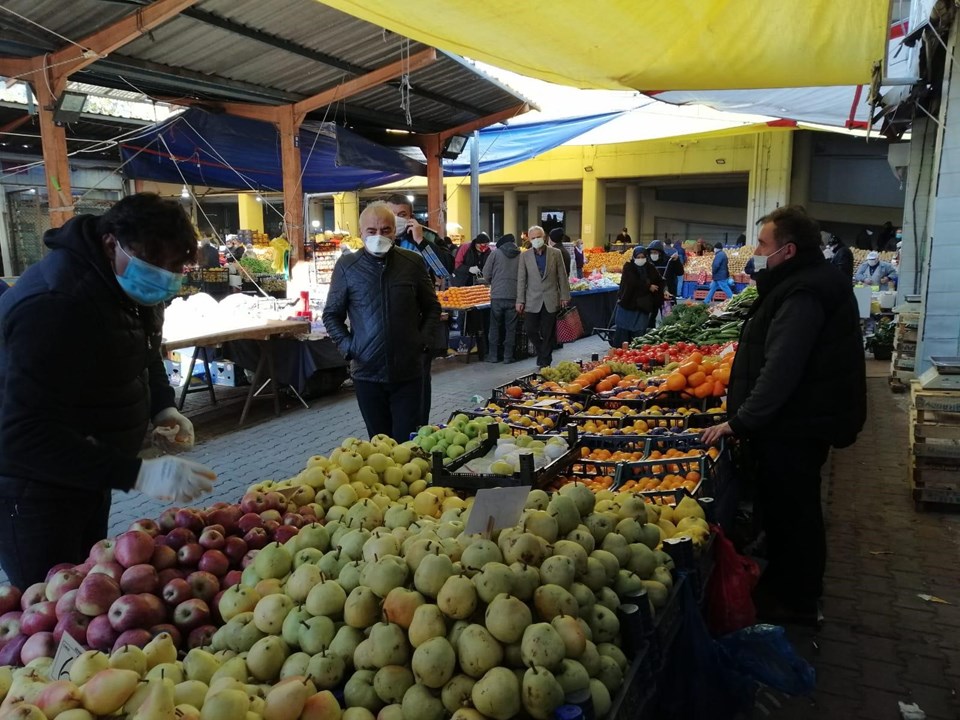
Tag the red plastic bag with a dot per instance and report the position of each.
(729, 593)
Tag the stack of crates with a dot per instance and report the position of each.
(903, 363)
(934, 446)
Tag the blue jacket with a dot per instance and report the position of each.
(720, 270)
(392, 308)
(80, 368)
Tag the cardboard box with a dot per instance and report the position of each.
(227, 374)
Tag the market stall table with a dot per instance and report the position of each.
(264, 334)
(474, 322)
(595, 307)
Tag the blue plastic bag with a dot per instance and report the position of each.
(763, 653)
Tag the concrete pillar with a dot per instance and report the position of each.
(458, 209)
(648, 216)
(631, 216)
(510, 210)
(594, 204)
(346, 212)
(533, 210)
(769, 185)
(251, 212)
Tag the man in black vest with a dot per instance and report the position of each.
(797, 387)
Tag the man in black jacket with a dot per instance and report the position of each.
(797, 387)
(386, 294)
(840, 256)
(81, 378)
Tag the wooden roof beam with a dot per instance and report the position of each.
(493, 118)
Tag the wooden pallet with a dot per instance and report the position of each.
(945, 402)
(934, 447)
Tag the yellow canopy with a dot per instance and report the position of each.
(650, 45)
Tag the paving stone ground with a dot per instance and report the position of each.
(880, 643)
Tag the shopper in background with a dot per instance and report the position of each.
(624, 238)
(579, 259)
(557, 240)
(840, 256)
(720, 274)
(873, 271)
(470, 260)
(542, 289)
(500, 273)
(669, 267)
(641, 293)
(235, 249)
(446, 250)
(797, 387)
(70, 433)
(209, 254)
(392, 306)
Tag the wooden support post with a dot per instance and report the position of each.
(435, 203)
(288, 123)
(53, 138)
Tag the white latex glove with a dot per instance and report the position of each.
(174, 479)
(172, 432)
(474, 269)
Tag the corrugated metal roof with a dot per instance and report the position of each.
(277, 51)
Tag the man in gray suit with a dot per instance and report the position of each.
(542, 289)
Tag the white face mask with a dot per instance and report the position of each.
(654, 256)
(640, 262)
(401, 225)
(760, 261)
(377, 244)
(536, 243)
(828, 252)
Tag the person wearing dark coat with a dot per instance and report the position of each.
(500, 273)
(720, 270)
(81, 379)
(579, 259)
(670, 269)
(557, 238)
(641, 292)
(797, 387)
(386, 293)
(840, 256)
(469, 262)
(209, 255)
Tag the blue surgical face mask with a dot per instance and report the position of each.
(147, 284)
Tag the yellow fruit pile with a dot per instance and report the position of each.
(608, 260)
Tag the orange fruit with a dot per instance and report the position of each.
(676, 381)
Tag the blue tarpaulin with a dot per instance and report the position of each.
(226, 151)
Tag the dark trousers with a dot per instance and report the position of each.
(426, 394)
(542, 331)
(503, 329)
(392, 409)
(791, 515)
(42, 526)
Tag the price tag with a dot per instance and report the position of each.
(727, 350)
(287, 492)
(67, 651)
(548, 402)
(501, 505)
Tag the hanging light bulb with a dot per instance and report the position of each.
(185, 193)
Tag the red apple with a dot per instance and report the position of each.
(172, 630)
(102, 552)
(235, 548)
(38, 618)
(133, 548)
(171, 574)
(214, 562)
(226, 516)
(254, 502)
(248, 522)
(256, 538)
(176, 591)
(141, 578)
(230, 579)
(40, 645)
(10, 652)
(158, 611)
(212, 539)
(57, 568)
(271, 515)
(270, 526)
(75, 624)
(163, 557)
(34, 594)
(67, 603)
(9, 626)
(191, 519)
(284, 533)
(276, 501)
(100, 634)
(96, 594)
(150, 527)
(62, 582)
(10, 598)
(201, 636)
(113, 569)
(168, 519)
(129, 612)
(204, 585)
(189, 555)
(137, 636)
(178, 537)
(84, 567)
(292, 518)
(191, 614)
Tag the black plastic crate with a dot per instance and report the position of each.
(559, 420)
(639, 686)
(672, 422)
(667, 622)
(446, 475)
(705, 420)
(589, 468)
(660, 468)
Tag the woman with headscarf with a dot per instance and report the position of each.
(470, 260)
(579, 260)
(641, 292)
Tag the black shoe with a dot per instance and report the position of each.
(508, 361)
(492, 360)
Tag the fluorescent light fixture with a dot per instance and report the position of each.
(69, 107)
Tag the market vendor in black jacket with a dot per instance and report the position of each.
(81, 378)
(797, 387)
(388, 297)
